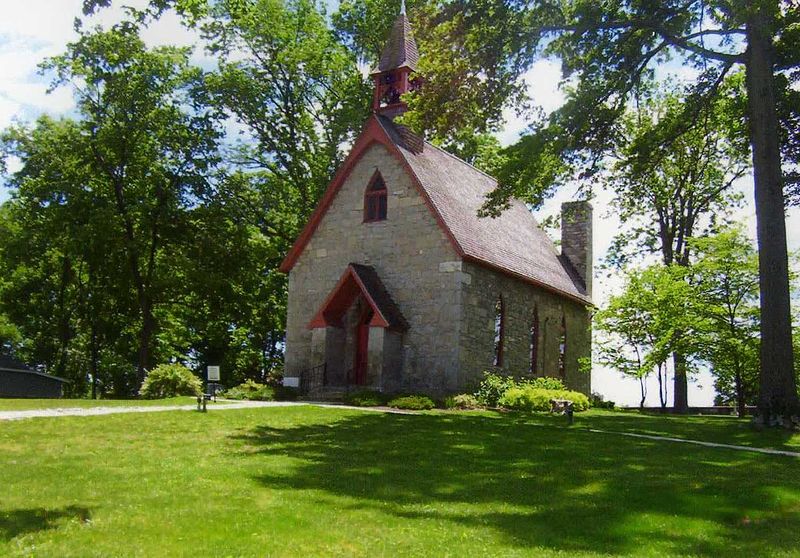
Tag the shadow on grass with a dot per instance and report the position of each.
(566, 490)
(15, 523)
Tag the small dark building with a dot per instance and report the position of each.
(19, 380)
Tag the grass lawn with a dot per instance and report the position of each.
(30, 404)
(299, 481)
(720, 429)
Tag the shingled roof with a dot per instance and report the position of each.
(454, 190)
(400, 49)
(511, 242)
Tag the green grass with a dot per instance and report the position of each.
(720, 429)
(31, 404)
(300, 481)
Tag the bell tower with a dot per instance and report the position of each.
(394, 75)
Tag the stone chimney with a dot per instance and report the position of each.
(576, 239)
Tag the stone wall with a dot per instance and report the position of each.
(482, 287)
(411, 255)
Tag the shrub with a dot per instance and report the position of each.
(598, 402)
(412, 402)
(366, 398)
(529, 398)
(170, 380)
(492, 388)
(462, 401)
(546, 382)
(250, 390)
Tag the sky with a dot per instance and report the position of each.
(33, 30)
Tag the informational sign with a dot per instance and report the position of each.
(289, 381)
(213, 373)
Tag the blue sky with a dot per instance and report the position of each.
(26, 37)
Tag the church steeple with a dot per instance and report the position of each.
(393, 76)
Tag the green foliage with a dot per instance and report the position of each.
(412, 402)
(725, 278)
(170, 380)
(366, 398)
(529, 398)
(250, 390)
(464, 401)
(493, 386)
(597, 401)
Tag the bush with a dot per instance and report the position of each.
(366, 398)
(529, 398)
(492, 388)
(596, 400)
(412, 402)
(462, 401)
(546, 382)
(251, 391)
(170, 380)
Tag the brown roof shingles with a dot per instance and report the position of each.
(400, 49)
(512, 242)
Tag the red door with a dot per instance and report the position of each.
(362, 344)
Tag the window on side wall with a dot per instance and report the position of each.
(534, 341)
(375, 199)
(562, 349)
(499, 330)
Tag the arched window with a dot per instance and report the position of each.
(562, 349)
(534, 342)
(375, 199)
(499, 330)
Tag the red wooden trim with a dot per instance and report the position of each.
(319, 320)
(373, 133)
(526, 279)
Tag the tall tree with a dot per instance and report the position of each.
(665, 193)
(607, 49)
(725, 278)
(151, 150)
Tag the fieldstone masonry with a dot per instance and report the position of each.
(448, 303)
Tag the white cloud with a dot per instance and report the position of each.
(542, 81)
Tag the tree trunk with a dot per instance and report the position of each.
(94, 359)
(740, 402)
(778, 392)
(681, 396)
(145, 336)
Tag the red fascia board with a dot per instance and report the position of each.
(373, 133)
(350, 275)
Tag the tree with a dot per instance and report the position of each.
(725, 277)
(647, 322)
(151, 149)
(607, 49)
(665, 194)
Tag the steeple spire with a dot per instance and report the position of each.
(398, 61)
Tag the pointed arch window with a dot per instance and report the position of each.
(499, 330)
(375, 199)
(562, 349)
(534, 333)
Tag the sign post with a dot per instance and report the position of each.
(212, 377)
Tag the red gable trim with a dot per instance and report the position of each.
(373, 133)
(340, 299)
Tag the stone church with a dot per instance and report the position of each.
(396, 284)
